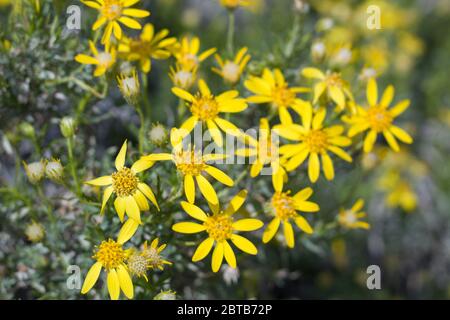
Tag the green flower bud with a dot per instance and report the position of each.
(68, 127)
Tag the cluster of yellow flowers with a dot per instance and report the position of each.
(317, 134)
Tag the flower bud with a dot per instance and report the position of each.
(35, 232)
(158, 134)
(166, 295)
(68, 127)
(27, 129)
(129, 87)
(35, 171)
(318, 51)
(54, 170)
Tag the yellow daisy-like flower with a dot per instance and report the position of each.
(221, 228)
(234, 4)
(148, 259)
(272, 88)
(378, 118)
(131, 193)
(205, 108)
(181, 78)
(264, 151)
(231, 70)
(284, 208)
(103, 60)
(193, 165)
(111, 12)
(336, 88)
(314, 140)
(148, 46)
(186, 53)
(349, 218)
(111, 256)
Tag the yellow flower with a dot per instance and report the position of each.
(181, 78)
(149, 258)
(234, 4)
(114, 11)
(220, 227)
(336, 88)
(192, 164)
(131, 193)
(148, 46)
(285, 207)
(35, 231)
(103, 60)
(399, 192)
(272, 88)
(349, 218)
(231, 70)
(314, 140)
(265, 152)
(377, 118)
(186, 53)
(205, 108)
(129, 87)
(112, 257)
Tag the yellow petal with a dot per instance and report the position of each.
(125, 282)
(120, 159)
(189, 125)
(247, 225)
(203, 249)
(372, 92)
(319, 88)
(318, 118)
(220, 176)
(130, 23)
(391, 140)
(137, 13)
(297, 160)
(229, 254)
(399, 108)
(271, 230)
(313, 167)
(244, 244)
(328, 168)
(303, 195)
(102, 181)
(313, 73)
(359, 204)
(227, 126)
(92, 4)
(194, 211)
(340, 153)
(401, 134)
(215, 133)
(337, 96)
(189, 188)
(207, 190)
(306, 206)
(277, 180)
(127, 231)
(183, 94)
(117, 30)
(235, 203)
(203, 87)
(147, 191)
(91, 277)
(113, 284)
(132, 209)
(188, 227)
(387, 97)
(142, 164)
(119, 204)
(85, 59)
(141, 201)
(100, 22)
(158, 157)
(369, 141)
(285, 116)
(217, 257)
(106, 195)
(289, 234)
(303, 224)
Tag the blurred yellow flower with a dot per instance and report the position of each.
(314, 140)
(147, 46)
(186, 53)
(221, 228)
(231, 70)
(399, 192)
(284, 208)
(336, 88)
(102, 60)
(377, 118)
(181, 78)
(35, 231)
(350, 218)
(233, 4)
(205, 108)
(111, 12)
(272, 88)
(131, 193)
(112, 257)
(191, 163)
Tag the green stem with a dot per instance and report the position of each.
(72, 165)
(141, 129)
(230, 33)
(49, 209)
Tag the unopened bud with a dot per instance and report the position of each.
(35, 171)
(27, 129)
(158, 134)
(68, 127)
(54, 170)
(166, 295)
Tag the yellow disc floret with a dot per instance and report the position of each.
(317, 141)
(284, 205)
(219, 227)
(112, 9)
(110, 254)
(189, 162)
(205, 107)
(379, 118)
(283, 96)
(125, 182)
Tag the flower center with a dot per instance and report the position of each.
(189, 61)
(379, 118)
(219, 227)
(189, 162)
(137, 264)
(317, 141)
(231, 72)
(125, 182)
(205, 107)
(153, 258)
(231, 4)
(282, 96)
(348, 217)
(334, 79)
(110, 254)
(112, 9)
(283, 205)
(104, 59)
